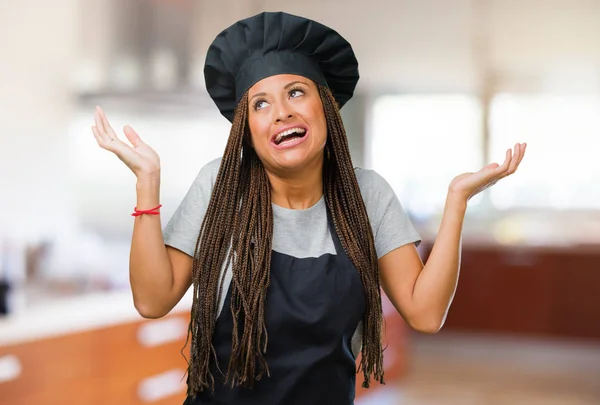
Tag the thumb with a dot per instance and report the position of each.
(489, 170)
(491, 166)
(132, 136)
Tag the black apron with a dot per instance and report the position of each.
(313, 308)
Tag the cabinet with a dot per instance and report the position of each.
(132, 363)
(542, 291)
(49, 371)
(128, 364)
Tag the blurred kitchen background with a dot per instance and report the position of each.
(446, 87)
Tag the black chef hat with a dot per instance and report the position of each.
(273, 43)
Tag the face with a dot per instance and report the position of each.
(287, 122)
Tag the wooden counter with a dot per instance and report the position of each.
(92, 350)
(96, 350)
(547, 291)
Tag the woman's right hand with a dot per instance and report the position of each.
(139, 157)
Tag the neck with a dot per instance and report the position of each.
(297, 190)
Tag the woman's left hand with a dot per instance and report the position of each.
(467, 185)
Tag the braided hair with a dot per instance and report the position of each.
(237, 230)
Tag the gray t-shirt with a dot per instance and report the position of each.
(298, 233)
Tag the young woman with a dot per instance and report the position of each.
(285, 243)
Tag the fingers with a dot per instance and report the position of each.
(512, 161)
(100, 134)
(105, 135)
(98, 121)
(106, 125)
(107, 139)
(103, 132)
(524, 147)
(132, 136)
(103, 139)
(495, 171)
(515, 160)
(507, 162)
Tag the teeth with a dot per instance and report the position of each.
(289, 132)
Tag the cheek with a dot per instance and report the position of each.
(259, 131)
(320, 125)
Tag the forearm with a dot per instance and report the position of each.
(436, 284)
(150, 270)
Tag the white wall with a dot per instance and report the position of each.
(421, 45)
(410, 45)
(37, 43)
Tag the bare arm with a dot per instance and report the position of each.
(423, 293)
(159, 275)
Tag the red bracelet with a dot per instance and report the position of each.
(151, 211)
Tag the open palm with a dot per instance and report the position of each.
(139, 157)
(468, 185)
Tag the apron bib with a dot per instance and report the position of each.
(313, 308)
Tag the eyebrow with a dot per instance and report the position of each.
(287, 86)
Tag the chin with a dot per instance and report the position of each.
(292, 161)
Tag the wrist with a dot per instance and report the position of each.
(148, 182)
(148, 192)
(456, 202)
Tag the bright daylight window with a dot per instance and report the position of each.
(104, 187)
(420, 142)
(562, 168)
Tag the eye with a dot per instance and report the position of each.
(296, 93)
(260, 104)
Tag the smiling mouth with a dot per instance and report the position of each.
(289, 135)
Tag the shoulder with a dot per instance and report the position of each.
(208, 174)
(181, 231)
(378, 195)
(211, 169)
(202, 186)
(391, 224)
(371, 183)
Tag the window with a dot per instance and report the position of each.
(104, 188)
(419, 143)
(562, 169)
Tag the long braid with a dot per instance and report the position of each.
(349, 214)
(237, 230)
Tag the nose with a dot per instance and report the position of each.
(283, 112)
